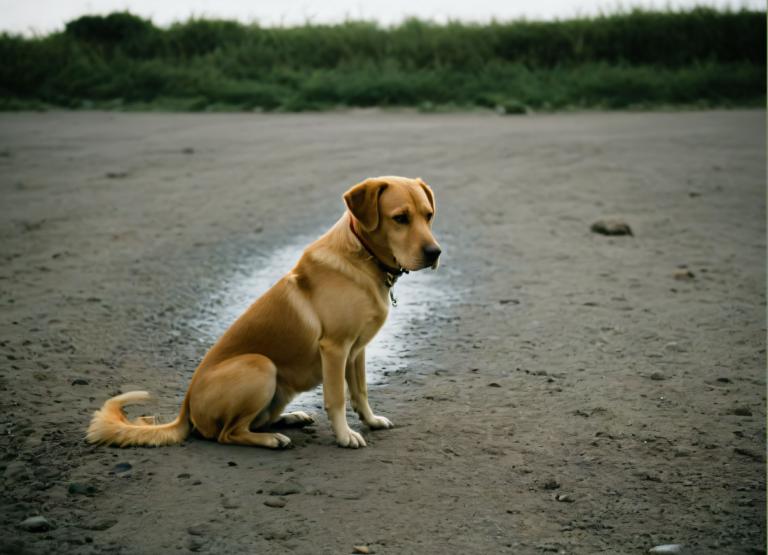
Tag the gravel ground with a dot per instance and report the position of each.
(554, 389)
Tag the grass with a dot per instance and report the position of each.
(701, 57)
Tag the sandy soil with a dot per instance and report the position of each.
(546, 361)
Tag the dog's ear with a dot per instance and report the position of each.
(362, 200)
(428, 191)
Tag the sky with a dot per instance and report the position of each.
(43, 16)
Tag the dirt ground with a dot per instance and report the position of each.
(559, 390)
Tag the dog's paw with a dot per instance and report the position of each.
(281, 442)
(297, 419)
(350, 438)
(379, 423)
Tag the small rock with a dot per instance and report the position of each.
(76, 488)
(98, 525)
(361, 549)
(674, 347)
(195, 543)
(667, 548)
(509, 301)
(121, 468)
(740, 411)
(231, 463)
(551, 484)
(564, 498)
(288, 487)
(724, 380)
(184, 475)
(612, 226)
(36, 524)
(658, 376)
(494, 384)
(79, 381)
(199, 530)
(275, 503)
(683, 274)
(230, 503)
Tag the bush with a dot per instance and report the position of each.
(639, 58)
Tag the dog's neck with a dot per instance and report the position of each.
(391, 274)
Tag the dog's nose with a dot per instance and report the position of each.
(431, 253)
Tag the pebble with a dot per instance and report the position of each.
(612, 226)
(99, 525)
(740, 411)
(121, 469)
(361, 549)
(564, 498)
(658, 376)
(195, 543)
(494, 384)
(76, 488)
(199, 530)
(667, 548)
(675, 347)
(79, 381)
(289, 487)
(229, 503)
(275, 503)
(551, 484)
(36, 524)
(683, 274)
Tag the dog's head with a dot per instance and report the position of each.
(395, 216)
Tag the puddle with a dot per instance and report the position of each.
(416, 293)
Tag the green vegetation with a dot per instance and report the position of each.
(701, 57)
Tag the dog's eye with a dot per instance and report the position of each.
(429, 216)
(401, 218)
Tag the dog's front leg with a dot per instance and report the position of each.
(358, 392)
(334, 357)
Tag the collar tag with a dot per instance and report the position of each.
(392, 296)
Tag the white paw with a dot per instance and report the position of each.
(379, 423)
(298, 418)
(281, 441)
(350, 438)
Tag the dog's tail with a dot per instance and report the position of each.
(110, 426)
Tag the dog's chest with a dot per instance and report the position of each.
(372, 321)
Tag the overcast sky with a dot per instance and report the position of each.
(42, 16)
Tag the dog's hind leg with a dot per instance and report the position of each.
(230, 396)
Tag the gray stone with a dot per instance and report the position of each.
(36, 524)
(611, 226)
(289, 487)
(667, 548)
(99, 525)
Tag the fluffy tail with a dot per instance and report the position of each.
(110, 426)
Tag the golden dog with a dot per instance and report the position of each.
(312, 326)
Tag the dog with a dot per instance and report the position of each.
(311, 327)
